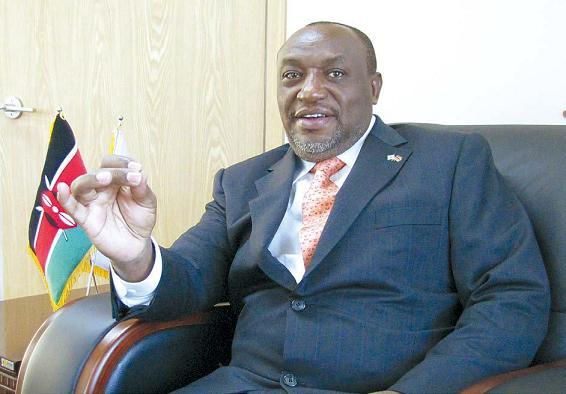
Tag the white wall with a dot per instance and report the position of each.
(459, 61)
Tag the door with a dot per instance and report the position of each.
(193, 80)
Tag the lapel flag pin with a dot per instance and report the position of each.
(395, 158)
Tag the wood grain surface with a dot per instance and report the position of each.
(191, 78)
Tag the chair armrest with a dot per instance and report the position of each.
(62, 343)
(542, 378)
(81, 348)
(139, 356)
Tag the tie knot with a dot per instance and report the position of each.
(329, 166)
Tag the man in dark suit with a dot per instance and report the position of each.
(359, 257)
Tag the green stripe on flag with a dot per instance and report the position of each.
(66, 256)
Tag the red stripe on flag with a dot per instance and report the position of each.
(46, 232)
(46, 235)
(74, 168)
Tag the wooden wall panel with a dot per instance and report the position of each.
(188, 76)
(276, 13)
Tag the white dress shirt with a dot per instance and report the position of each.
(284, 246)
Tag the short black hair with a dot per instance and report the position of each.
(371, 60)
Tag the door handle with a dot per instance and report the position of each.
(13, 107)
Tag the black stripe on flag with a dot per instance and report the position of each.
(61, 143)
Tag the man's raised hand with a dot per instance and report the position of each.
(117, 210)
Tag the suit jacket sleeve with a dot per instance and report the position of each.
(499, 276)
(195, 268)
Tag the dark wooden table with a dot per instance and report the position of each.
(19, 320)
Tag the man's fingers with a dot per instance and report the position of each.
(134, 178)
(85, 187)
(117, 177)
(119, 171)
(117, 161)
(70, 204)
(63, 194)
(143, 194)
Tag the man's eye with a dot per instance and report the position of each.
(291, 75)
(336, 74)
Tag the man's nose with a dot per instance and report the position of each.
(312, 89)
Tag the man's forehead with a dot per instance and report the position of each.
(322, 58)
(329, 42)
(311, 35)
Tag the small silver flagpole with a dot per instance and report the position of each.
(90, 274)
(94, 280)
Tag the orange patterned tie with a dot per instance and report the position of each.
(317, 203)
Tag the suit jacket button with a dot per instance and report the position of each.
(298, 305)
(289, 379)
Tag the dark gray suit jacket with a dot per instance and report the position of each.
(427, 276)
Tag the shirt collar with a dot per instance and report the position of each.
(349, 157)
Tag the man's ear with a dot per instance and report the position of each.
(376, 83)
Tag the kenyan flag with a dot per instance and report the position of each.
(58, 246)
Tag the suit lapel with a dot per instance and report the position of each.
(267, 211)
(380, 159)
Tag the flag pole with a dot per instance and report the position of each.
(90, 274)
(95, 284)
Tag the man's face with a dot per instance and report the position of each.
(325, 92)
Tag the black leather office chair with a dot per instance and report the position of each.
(82, 349)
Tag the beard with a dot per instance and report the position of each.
(312, 147)
(315, 151)
(308, 149)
